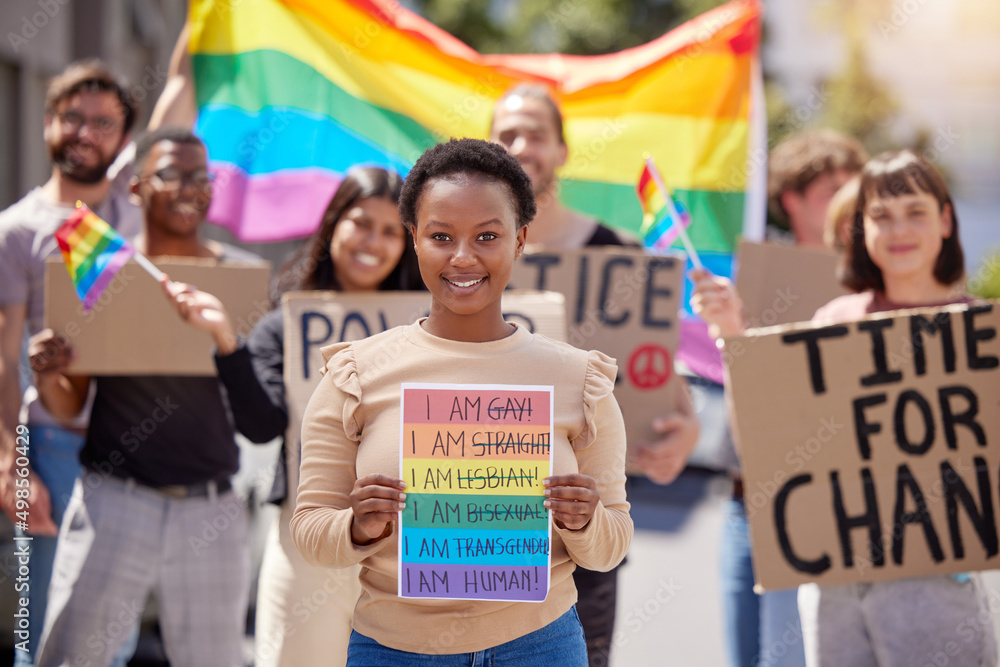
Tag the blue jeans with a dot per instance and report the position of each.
(54, 454)
(558, 644)
(760, 630)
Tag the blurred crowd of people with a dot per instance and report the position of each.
(97, 551)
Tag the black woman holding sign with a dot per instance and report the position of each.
(467, 204)
(903, 252)
(361, 246)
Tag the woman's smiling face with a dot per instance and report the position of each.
(904, 234)
(466, 240)
(367, 244)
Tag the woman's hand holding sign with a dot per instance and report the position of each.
(572, 499)
(376, 501)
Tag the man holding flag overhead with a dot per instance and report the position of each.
(529, 124)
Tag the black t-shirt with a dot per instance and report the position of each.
(163, 430)
(605, 236)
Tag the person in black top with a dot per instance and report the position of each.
(527, 121)
(361, 245)
(153, 509)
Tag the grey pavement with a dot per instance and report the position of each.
(669, 609)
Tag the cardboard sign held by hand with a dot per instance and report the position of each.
(133, 330)
(871, 449)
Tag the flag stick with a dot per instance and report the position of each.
(158, 275)
(148, 265)
(674, 215)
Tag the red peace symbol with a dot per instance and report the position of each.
(650, 366)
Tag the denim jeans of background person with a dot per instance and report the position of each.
(760, 630)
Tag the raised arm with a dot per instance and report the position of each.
(176, 105)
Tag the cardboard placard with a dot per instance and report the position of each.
(871, 449)
(475, 526)
(624, 303)
(134, 330)
(316, 319)
(780, 284)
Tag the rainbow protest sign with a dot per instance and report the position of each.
(473, 458)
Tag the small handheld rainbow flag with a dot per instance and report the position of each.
(94, 252)
(663, 219)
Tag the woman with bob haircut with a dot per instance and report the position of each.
(361, 246)
(467, 204)
(903, 252)
(902, 179)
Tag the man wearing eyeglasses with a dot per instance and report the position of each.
(89, 116)
(142, 526)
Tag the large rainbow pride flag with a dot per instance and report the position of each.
(292, 93)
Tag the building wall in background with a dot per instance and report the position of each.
(942, 62)
(38, 38)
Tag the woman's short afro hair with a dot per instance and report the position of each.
(473, 157)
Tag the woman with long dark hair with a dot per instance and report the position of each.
(304, 612)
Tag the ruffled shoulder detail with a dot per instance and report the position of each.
(598, 384)
(342, 369)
